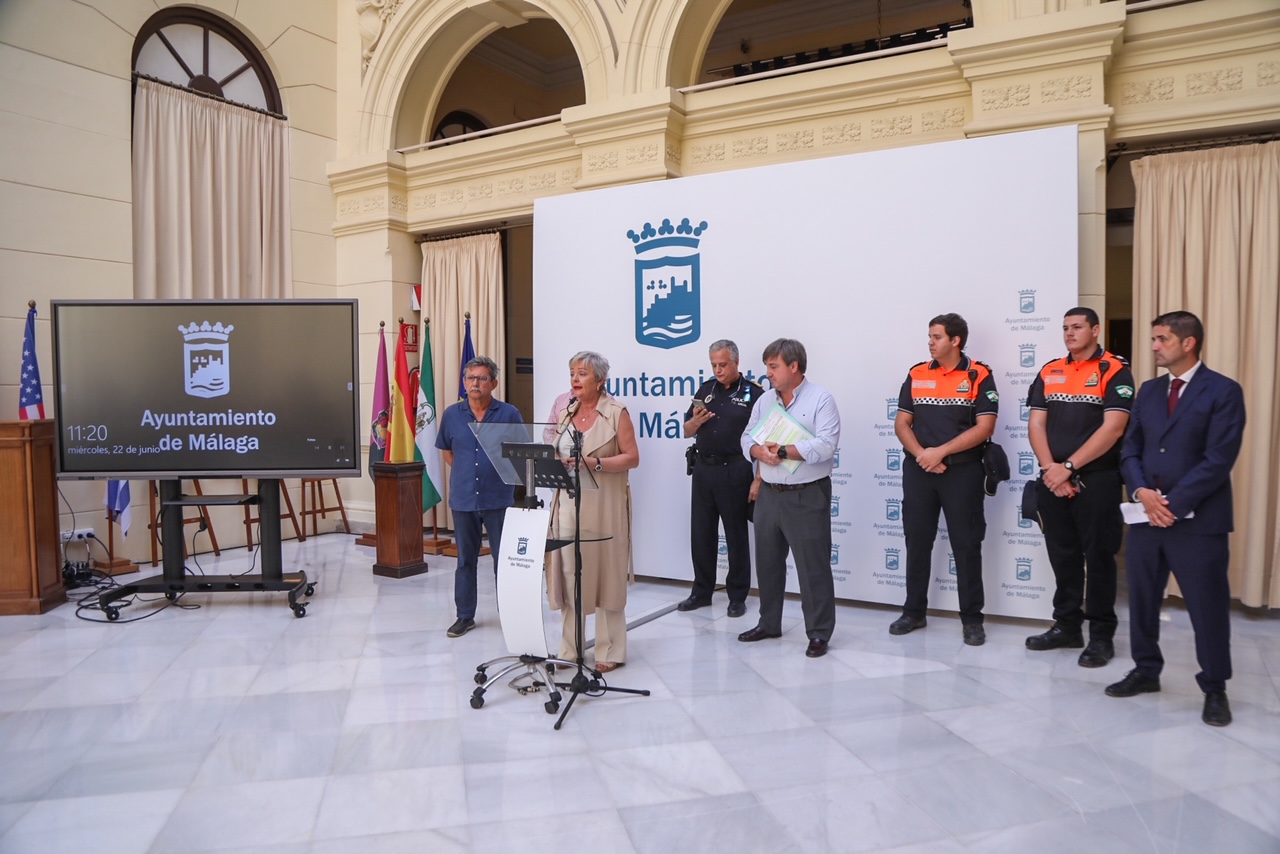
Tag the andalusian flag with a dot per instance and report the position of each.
(427, 426)
(401, 447)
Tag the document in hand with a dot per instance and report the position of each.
(1134, 514)
(778, 426)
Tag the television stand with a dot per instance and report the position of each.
(175, 581)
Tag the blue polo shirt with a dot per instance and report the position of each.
(474, 484)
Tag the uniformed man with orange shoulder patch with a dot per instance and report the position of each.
(1079, 411)
(946, 413)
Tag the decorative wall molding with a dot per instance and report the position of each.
(600, 161)
(935, 120)
(1215, 82)
(371, 21)
(1147, 91)
(542, 180)
(892, 126)
(750, 146)
(639, 154)
(794, 140)
(997, 98)
(673, 153)
(1073, 88)
(1268, 73)
(842, 134)
(476, 192)
(713, 152)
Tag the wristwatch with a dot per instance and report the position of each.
(599, 464)
(782, 452)
(1069, 466)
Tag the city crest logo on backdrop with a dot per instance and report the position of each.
(207, 357)
(1027, 301)
(668, 283)
(1022, 568)
(892, 559)
(1027, 355)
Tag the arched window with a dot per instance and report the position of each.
(195, 49)
(457, 123)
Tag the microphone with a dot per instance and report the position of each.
(572, 406)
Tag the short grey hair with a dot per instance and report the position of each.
(598, 364)
(724, 344)
(483, 362)
(789, 350)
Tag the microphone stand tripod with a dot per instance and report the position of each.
(582, 683)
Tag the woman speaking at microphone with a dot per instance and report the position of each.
(608, 447)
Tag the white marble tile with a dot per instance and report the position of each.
(903, 741)
(1195, 756)
(860, 814)
(948, 795)
(943, 689)
(181, 683)
(729, 823)
(1055, 836)
(303, 711)
(666, 772)
(1090, 778)
(611, 725)
(854, 699)
(306, 675)
(118, 822)
(391, 747)
(1005, 727)
(449, 840)
(254, 757)
(205, 818)
(532, 788)
(405, 702)
(1256, 803)
(1185, 825)
(744, 712)
(601, 830)
(789, 758)
(358, 805)
(137, 766)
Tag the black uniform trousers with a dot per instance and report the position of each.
(720, 494)
(1082, 535)
(801, 521)
(957, 492)
(1199, 562)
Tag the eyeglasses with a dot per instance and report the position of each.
(483, 378)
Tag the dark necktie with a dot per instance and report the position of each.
(1175, 389)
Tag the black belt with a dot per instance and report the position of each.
(972, 455)
(719, 459)
(791, 487)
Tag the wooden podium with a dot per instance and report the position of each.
(30, 577)
(397, 495)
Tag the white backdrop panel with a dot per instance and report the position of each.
(852, 256)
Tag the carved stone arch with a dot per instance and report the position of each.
(680, 31)
(427, 40)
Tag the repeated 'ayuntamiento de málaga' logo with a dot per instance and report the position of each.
(1022, 568)
(835, 554)
(207, 358)
(891, 408)
(893, 459)
(1022, 523)
(893, 509)
(522, 545)
(892, 559)
(1026, 463)
(668, 284)
(1027, 355)
(951, 563)
(1027, 302)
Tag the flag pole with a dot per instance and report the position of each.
(434, 544)
(114, 565)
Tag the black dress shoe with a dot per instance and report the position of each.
(757, 634)
(460, 627)
(1133, 684)
(905, 624)
(1055, 638)
(818, 648)
(737, 609)
(1097, 653)
(1217, 711)
(693, 603)
(975, 634)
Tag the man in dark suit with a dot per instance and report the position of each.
(1183, 439)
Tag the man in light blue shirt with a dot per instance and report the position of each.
(477, 495)
(793, 509)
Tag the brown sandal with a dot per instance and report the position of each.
(607, 666)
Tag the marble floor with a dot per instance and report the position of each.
(233, 726)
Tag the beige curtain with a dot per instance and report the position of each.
(461, 276)
(1207, 240)
(210, 199)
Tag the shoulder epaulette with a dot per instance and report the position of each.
(918, 364)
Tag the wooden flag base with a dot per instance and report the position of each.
(367, 540)
(436, 545)
(115, 566)
(398, 516)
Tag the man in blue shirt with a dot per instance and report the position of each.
(477, 495)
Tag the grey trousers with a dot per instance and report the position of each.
(799, 521)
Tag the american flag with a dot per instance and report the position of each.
(30, 396)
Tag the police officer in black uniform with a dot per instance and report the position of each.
(946, 412)
(722, 479)
(1080, 407)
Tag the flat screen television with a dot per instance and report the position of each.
(164, 389)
